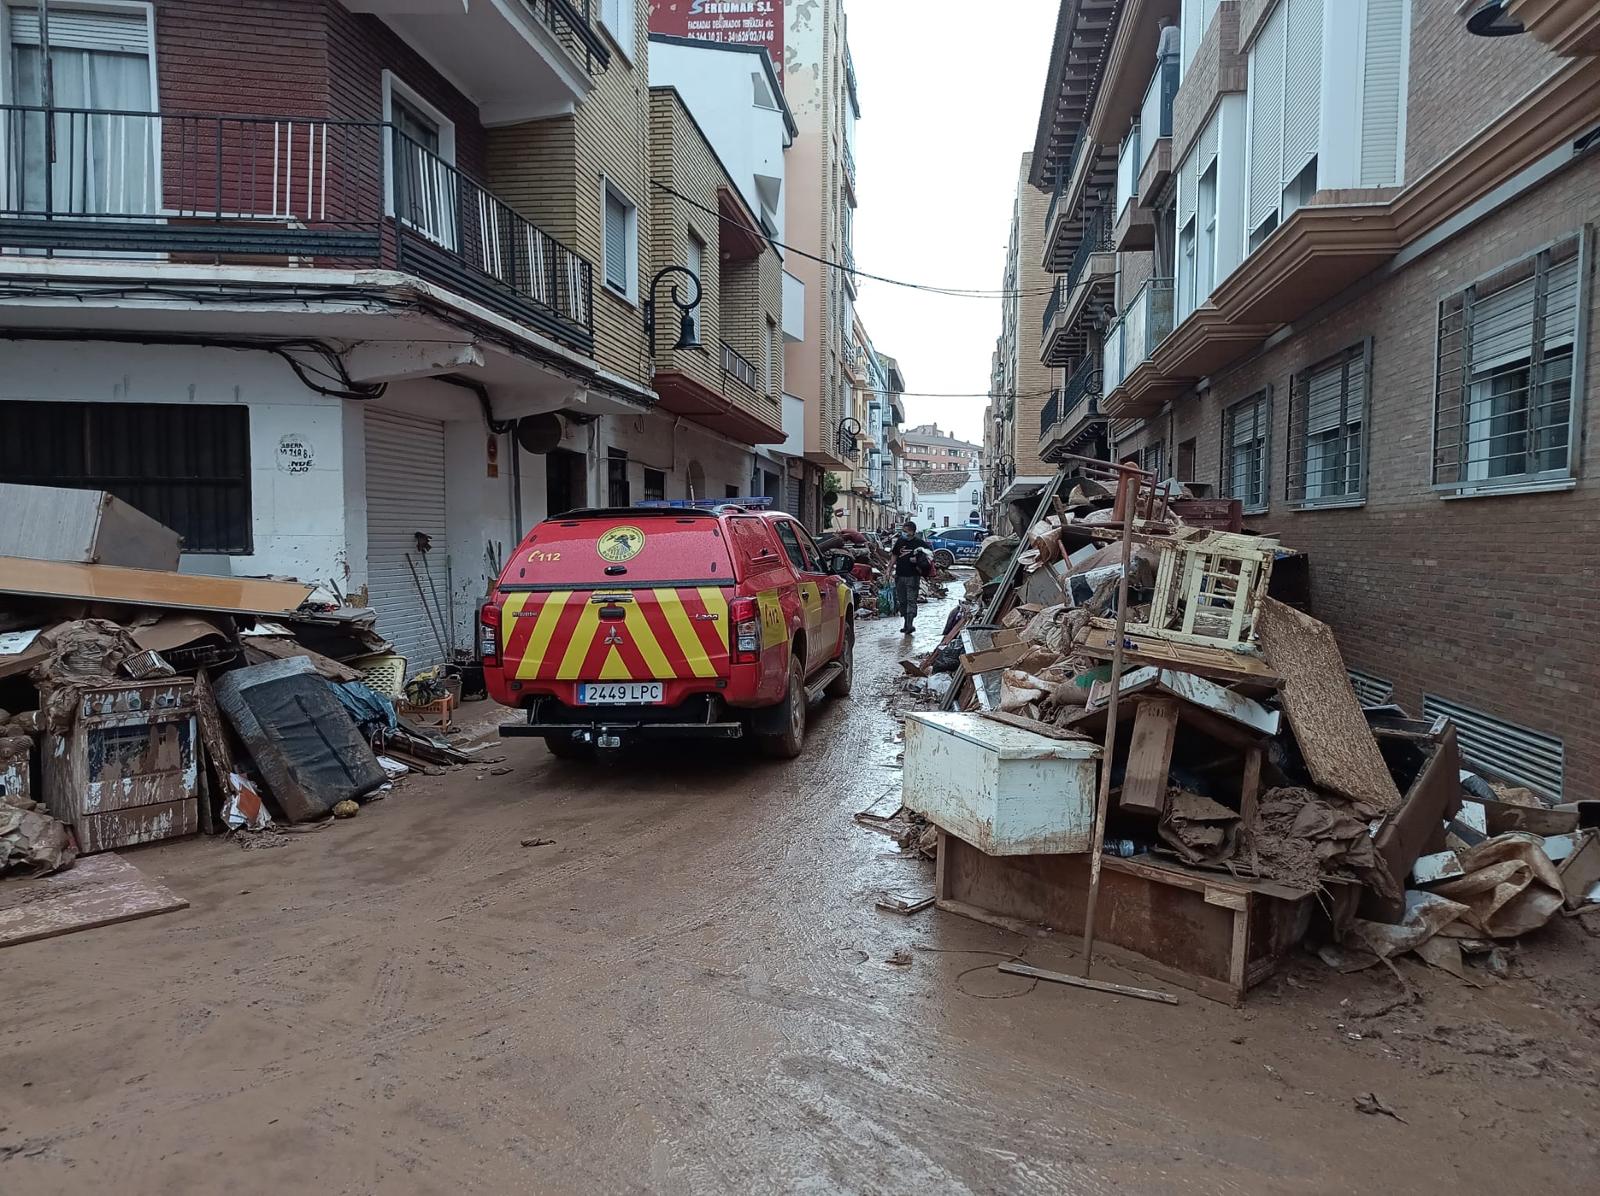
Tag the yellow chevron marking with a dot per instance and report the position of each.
(578, 646)
(539, 642)
(644, 638)
(613, 669)
(683, 631)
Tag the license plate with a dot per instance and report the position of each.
(621, 693)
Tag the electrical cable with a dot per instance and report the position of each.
(952, 292)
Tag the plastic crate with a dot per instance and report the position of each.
(384, 673)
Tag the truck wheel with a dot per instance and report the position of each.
(944, 558)
(786, 744)
(564, 747)
(841, 685)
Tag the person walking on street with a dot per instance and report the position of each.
(909, 567)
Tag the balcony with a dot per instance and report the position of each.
(851, 282)
(517, 59)
(1136, 225)
(850, 171)
(1133, 384)
(1090, 174)
(280, 192)
(1079, 293)
(1050, 413)
(1155, 132)
(1077, 414)
(1571, 28)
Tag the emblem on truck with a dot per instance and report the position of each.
(620, 544)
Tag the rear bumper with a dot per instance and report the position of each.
(704, 716)
(622, 730)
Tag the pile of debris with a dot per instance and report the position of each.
(867, 562)
(1236, 745)
(138, 703)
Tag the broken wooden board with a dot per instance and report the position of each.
(1338, 746)
(1242, 669)
(992, 660)
(1024, 723)
(150, 587)
(1193, 689)
(98, 891)
(1144, 786)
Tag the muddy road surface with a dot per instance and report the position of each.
(689, 992)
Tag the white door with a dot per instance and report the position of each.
(405, 496)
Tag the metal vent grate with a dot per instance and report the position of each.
(1373, 691)
(1509, 752)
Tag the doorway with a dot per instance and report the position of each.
(565, 484)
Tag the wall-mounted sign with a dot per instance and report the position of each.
(295, 454)
(734, 22)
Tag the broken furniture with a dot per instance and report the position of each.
(94, 892)
(126, 770)
(1208, 589)
(1207, 932)
(1427, 753)
(1005, 789)
(307, 747)
(90, 527)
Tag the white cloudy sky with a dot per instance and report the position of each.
(950, 93)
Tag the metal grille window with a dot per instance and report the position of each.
(1246, 428)
(1505, 408)
(1327, 423)
(655, 484)
(187, 466)
(617, 491)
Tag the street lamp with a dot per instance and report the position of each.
(688, 334)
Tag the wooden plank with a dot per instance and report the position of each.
(992, 660)
(1339, 749)
(1249, 793)
(1024, 723)
(149, 587)
(1104, 986)
(1217, 663)
(98, 891)
(219, 753)
(1144, 784)
(1005, 636)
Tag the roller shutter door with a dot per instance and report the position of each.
(405, 495)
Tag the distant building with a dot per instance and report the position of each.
(927, 447)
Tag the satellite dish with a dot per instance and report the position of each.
(1491, 21)
(541, 433)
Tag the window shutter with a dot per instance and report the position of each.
(1266, 120)
(616, 242)
(1324, 395)
(107, 32)
(1207, 143)
(1561, 303)
(1502, 326)
(1381, 93)
(1188, 185)
(1302, 83)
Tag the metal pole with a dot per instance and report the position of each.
(1126, 482)
(47, 94)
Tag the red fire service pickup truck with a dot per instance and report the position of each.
(672, 620)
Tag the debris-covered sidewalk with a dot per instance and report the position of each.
(1245, 793)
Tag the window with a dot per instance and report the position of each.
(1327, 419)
(730, 492)
(184, 465)
(617, 492)
(1245, 430)
(1186, 460)
(763, 93)
(621, 243)
(696, 261)
(1284, 95)
(791, 545)
(1206, 217)
(617, 16)
(655, 484)
(1150, 459)
(100, 60)
(1504, 410)
(422, 181)
(769, 356)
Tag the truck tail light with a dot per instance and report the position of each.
(489, 635)
(746, 620)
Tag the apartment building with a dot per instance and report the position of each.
(928, 447)
(306, 338)
(871, 440)
(1026, 390)
(1347, 255)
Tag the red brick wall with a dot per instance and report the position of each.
(1493, 602)
(296, 58)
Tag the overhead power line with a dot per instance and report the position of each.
(952, 292)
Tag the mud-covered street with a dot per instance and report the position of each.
(688, 991)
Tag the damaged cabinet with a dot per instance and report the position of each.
(1007, 790)
(127, 770)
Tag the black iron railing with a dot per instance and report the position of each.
(850, 165)
(1052, 306)
(1084, 384)
(1051, 413)
(1063, 183)
(572, 22)
(740, 368)
(284, 192)
(1096, 238)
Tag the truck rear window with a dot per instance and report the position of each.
(620, 551)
